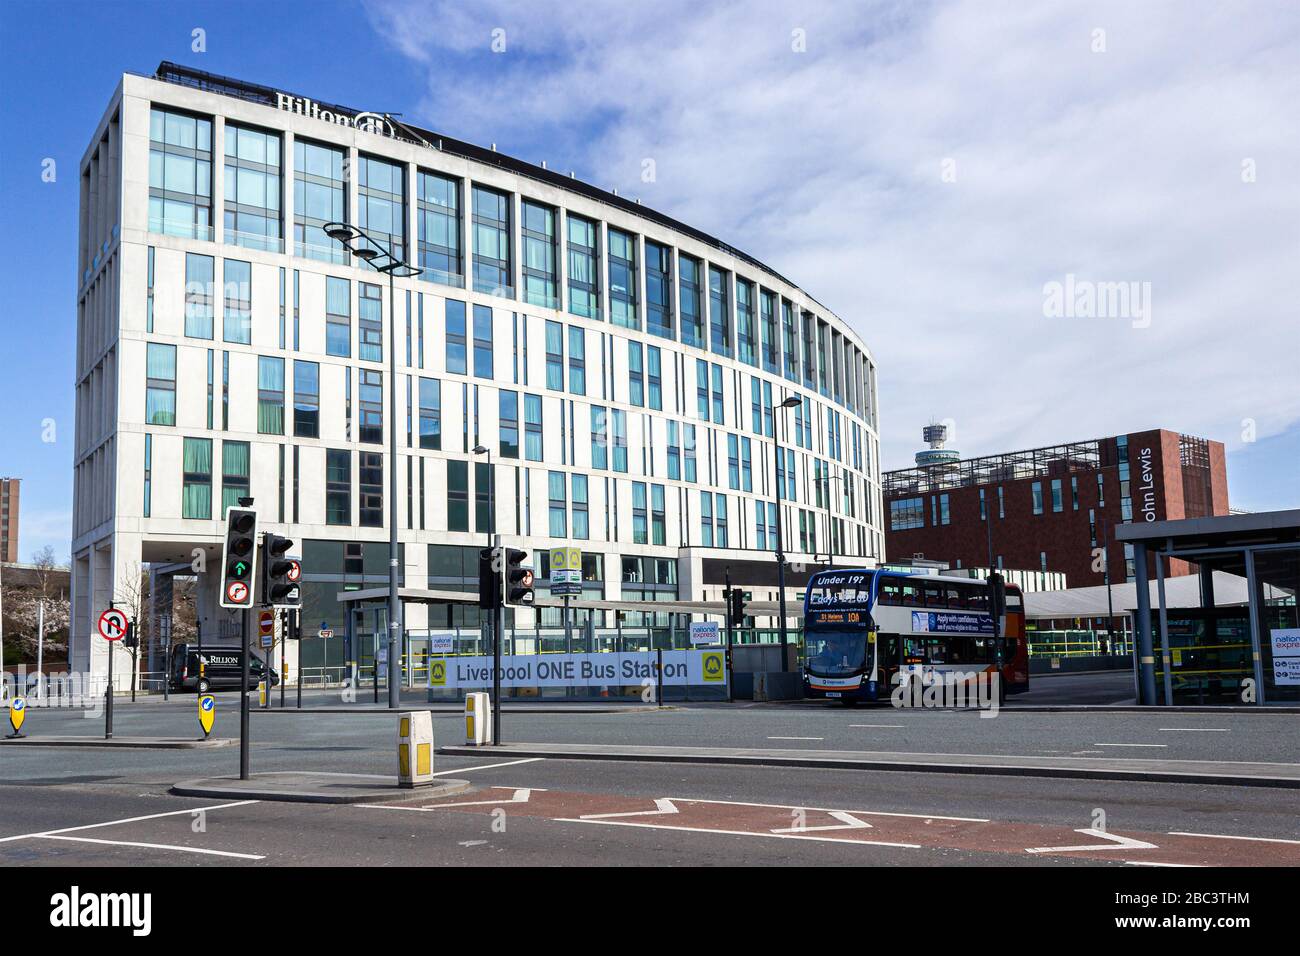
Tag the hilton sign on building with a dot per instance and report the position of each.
(624, 369)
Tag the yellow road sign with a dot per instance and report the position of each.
(207, 712)
(17, 713)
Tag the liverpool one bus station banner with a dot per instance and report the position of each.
(681, 668)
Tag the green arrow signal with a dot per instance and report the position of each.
(240, 569)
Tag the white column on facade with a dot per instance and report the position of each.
(218, 180)
(286, 215)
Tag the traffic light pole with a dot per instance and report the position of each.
(243, 697)
(498, 636)
(730, 689)
(108, 692)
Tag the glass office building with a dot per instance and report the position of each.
(625, 369)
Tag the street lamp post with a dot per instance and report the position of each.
(360, 244)
(790, 402)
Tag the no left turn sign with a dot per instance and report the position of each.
(112, 624)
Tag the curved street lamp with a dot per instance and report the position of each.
(368, 249)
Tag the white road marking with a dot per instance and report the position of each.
(1117, 842)
(796, 738)
(749, 833)
(112, 823)
(663, 804)
(862, 813)
(1150, 863)
(847, 822)
(487, 766)
(1194, 730)
(1225, 836)
(1130, 745)
(153, 846)
(521, 795)
(877, 725)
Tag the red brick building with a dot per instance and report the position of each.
(1053, 508)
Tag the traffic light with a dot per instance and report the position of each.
(519, 579)
(489, 580)
(997, 595)
(281, 574)
(239, 558)
(736, 607)
(130, 639)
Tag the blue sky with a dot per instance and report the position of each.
(924, 169)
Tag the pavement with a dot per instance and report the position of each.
(294, 787)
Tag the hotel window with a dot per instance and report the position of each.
(1057, 503)
(541, 286)
(769, 425)
(809, 352)
(492, 265)
(577, 361)
(306, 399)
(745, 322)
(1074, 492)
(756, 405)
(658, 516)
(1002, 510)
(237, 316)
(620, 440)
(533, 427)
(558, 505)
(508, 423)
(370, 323)
(252, 199)
(338, 317)
(439, 219)
(370, 394)
(370, 489)
(717, 395)
(319, 197)
(636, 374)
(1037, 491)
(160, 385)
(456, 340)
(457, 495)
(688, 452)
(719, 311)
(720, 519)
(821, 358)
(599, 437)
(148, 474)
(431, 414)
(791, 344)
(983, 506)
(702, 389)
(622, 279)
(674, 451)
(905, 513)
(196, 479)
(234, 473)
(692, 306)
(654, 363)
(733, 462)
(944, 514)
(659, 289)
(1101, 490)
(581, 516)
(706, 518)
(746, 465)
(270, 395)
(767, 327)
(484, 502)
(338, 487)
(180, 175)
(199, 280)
(381, 198)
(640, 514)
(554, 356)
(584, 267)
(482, 341)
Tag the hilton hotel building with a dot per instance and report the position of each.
(625, 370)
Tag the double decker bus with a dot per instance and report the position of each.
(864, 628)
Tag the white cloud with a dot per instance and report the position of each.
(1122, 165)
